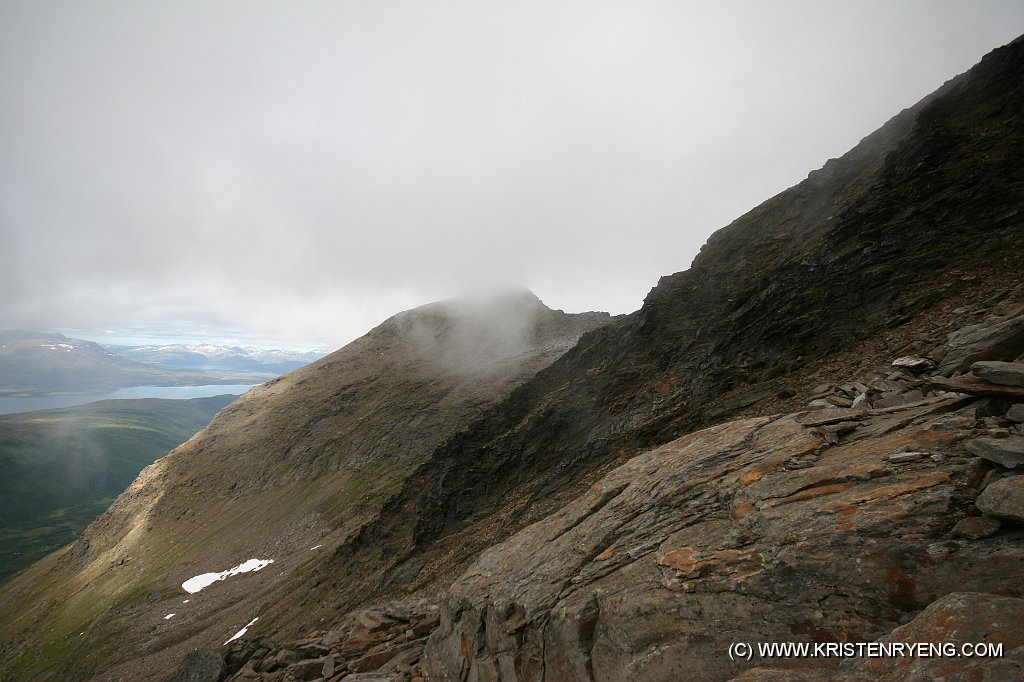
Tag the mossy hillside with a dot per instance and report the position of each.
(59, 469)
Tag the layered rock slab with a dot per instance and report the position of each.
(727, 535)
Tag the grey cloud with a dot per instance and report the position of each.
(305, 169)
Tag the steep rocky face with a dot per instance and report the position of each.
(303, 461)
(914, 229)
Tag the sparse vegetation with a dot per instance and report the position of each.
(60, 469)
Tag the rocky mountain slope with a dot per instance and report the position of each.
(642, 549)
(834, 524)
(301, 462)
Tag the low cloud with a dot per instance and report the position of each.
(301, 171)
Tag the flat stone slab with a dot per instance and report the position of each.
(832, 415)
(913, 362)
(975, 386)
(1008, 452)
(1002, 373)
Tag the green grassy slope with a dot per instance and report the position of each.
(59, 469)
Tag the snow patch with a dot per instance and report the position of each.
(169, 616)
(197, 583)
(242, 631)
(186, 601)
(317, 547)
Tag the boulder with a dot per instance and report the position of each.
(1007, 451)
(1002, 373)
(976, 527)
(310, 669)
(1004, 499)
(996, 338)
(951, 623)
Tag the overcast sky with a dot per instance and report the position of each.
(295, 172)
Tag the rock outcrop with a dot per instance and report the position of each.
(830, 525)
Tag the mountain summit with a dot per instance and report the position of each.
(780, 445)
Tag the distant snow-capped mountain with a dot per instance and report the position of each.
(32, 361)
(212, 356)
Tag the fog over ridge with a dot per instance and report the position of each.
(301, 171)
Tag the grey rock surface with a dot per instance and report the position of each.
(1004, 499)
(1003, 373)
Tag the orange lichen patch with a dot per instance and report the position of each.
(811, 493)
(741, 509)
(732, 563)
(605, 555)
(683, 559)
(467, 650)
(842, 527)
(665, 386)
(902, 488)
(848, 511)
(752, 477)
(845, 509)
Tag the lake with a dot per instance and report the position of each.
(16, 404)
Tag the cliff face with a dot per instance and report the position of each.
(405, 455)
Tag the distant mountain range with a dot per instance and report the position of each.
(211, 356)
(45, 362)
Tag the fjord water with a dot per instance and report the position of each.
(18, 404)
